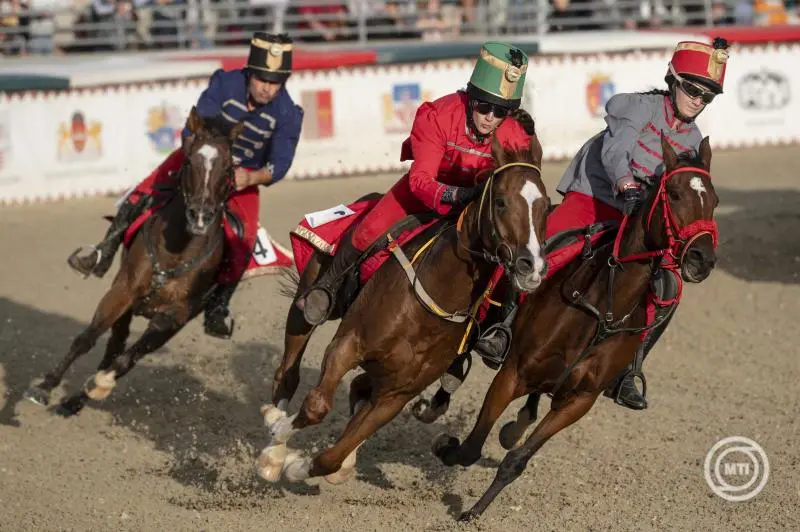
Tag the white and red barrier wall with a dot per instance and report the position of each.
(95, 141)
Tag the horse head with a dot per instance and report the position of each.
(680, 216)
(207, 177)
(512, 213)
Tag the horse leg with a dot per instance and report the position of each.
(512, 431)
(514, 463)
(160, 329)
(360, 397)
(115, 347)
(505, 387)
(340, 357)
(298, 332)
(368, 420)
(113, 305)
(429, 411)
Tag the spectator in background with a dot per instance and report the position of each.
(270, 13)
(117, 20)
(168, 16)
(12, 19)
(326, 22)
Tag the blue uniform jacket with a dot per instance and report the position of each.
(271, 132)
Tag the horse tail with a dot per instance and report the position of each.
(525, 120)
(289, 281)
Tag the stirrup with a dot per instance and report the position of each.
(85, 250)
(632, 374)
(494, 360)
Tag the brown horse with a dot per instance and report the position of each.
(582, 327)
(167, 272)
(395, 329)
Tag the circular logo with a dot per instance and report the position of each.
(736, 468)
(513, 73)
(276, 49)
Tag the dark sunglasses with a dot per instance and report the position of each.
(696, 91)
(485, 108)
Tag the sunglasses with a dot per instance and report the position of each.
(696, 91)
(485, 108)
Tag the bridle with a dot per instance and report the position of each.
(495, 243)
(679, 239)
(228, 174)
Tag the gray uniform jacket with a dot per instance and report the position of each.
(629, 146)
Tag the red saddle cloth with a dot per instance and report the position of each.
(309, 237)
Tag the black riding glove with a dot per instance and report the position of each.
(461, 195)
(632, 198)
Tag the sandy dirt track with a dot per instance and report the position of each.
(173, 447)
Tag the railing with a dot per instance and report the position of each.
(154, 24)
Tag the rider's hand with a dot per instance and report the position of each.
(631, 195)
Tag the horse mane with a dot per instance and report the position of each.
(690, 157)
(217, 126)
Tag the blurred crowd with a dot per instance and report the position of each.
(62, 26)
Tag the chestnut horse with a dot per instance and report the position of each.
(167, 272)
(397, 330)
(583, 325)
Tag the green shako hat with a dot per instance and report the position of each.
(499, 74)
(270, 57)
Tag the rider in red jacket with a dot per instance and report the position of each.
(450, 144)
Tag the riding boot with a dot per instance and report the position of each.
(494, 344)
(320, 299)
(625, 393)
(99, 258)
(218, 320)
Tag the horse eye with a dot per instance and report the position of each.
(500, 204)
(674, 195)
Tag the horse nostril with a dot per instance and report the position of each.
(524, 265)
(695, 255)
(192, 213)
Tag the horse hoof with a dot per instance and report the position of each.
(341, 476)
(37, 395)
(66, 411)
(443, 445)
(509, 436)
(423, 412)
(269, 470)
(467, 517)
(270, 462)
(271, 414)
(296, 468)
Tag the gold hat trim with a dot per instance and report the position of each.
(511, 74)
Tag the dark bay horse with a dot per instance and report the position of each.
(403, 340)
(167, 272)
(581, 328)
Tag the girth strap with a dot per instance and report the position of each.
(419, 290)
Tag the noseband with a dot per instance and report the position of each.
(679, 239)
(494, 238)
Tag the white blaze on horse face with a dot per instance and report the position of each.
(531, 193)
(209, 154)
(697, 185)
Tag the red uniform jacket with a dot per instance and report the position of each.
(444, 155)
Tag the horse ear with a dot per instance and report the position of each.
(498, 151)
(194, 123)
(670, 158)
(536, 149)
(235, 132)
(705, 153)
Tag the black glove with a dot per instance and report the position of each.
(461, 195)
(631, 197)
